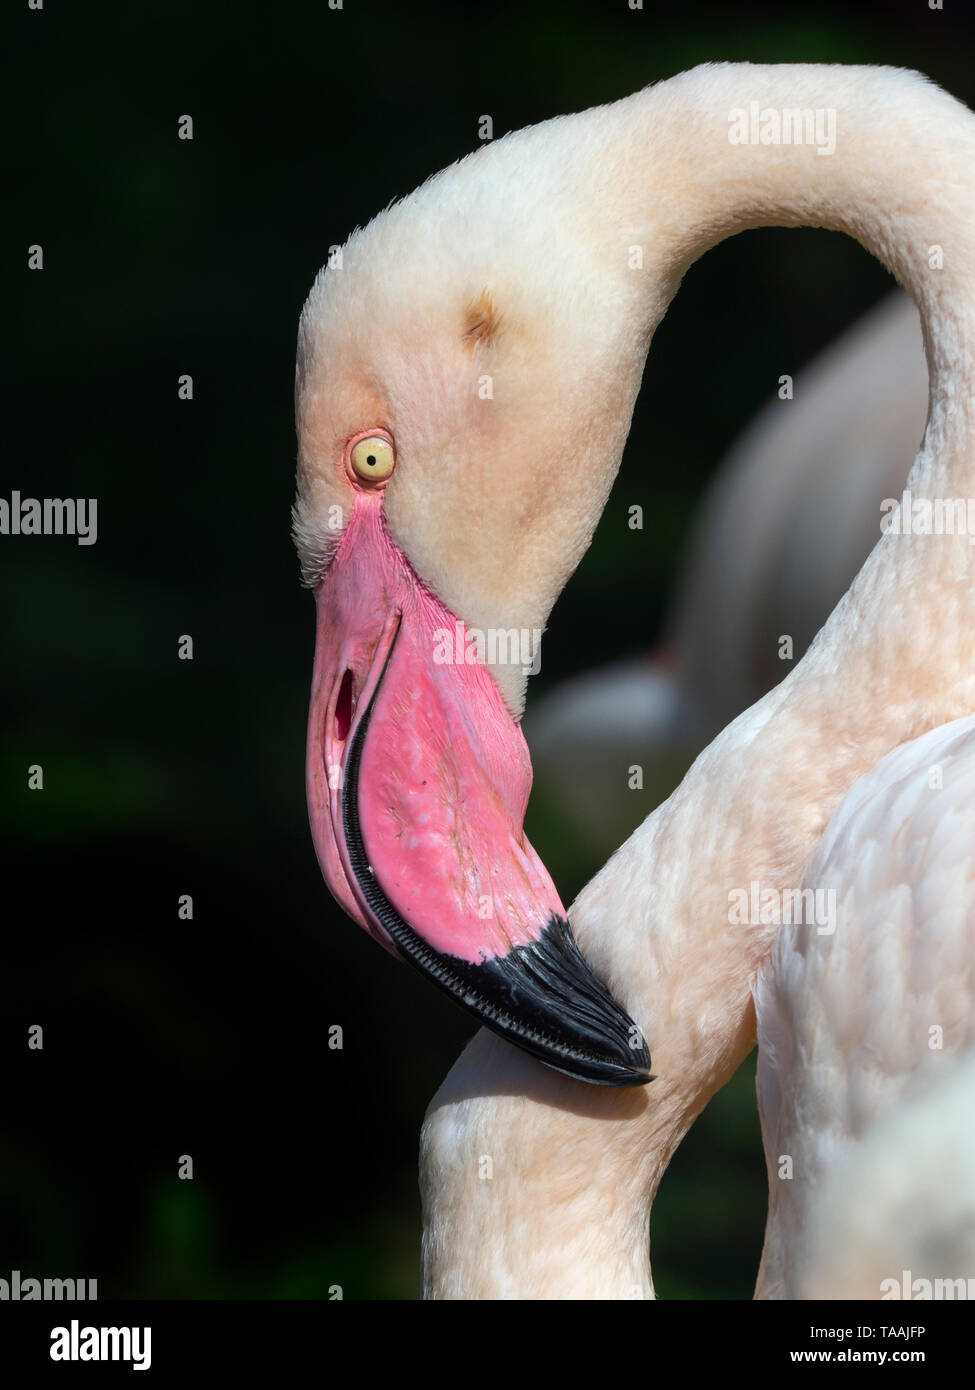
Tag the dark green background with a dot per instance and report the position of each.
(165, 777)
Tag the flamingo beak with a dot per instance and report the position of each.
(418, 780)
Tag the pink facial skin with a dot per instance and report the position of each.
(444, 772)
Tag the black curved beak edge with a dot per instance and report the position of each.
(542, 997)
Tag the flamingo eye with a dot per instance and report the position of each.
(373, 459)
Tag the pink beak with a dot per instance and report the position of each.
(418, 780)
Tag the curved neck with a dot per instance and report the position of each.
(878, 153)
(897, 656)
(658, 174)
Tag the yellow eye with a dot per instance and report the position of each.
(373, 459)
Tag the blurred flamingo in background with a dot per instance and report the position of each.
(791, 515)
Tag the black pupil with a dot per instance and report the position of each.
(370, 458)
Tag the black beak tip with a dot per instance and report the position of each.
(545, 999)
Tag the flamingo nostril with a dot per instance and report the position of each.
(343, 709)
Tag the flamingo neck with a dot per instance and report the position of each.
(897, 655)
(537, 1186)
(878, 153)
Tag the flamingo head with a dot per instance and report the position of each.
(459, 421)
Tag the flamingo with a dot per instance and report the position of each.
(788, 520)
(465, 382)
